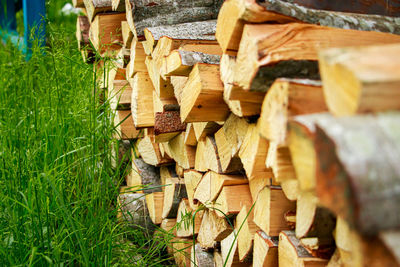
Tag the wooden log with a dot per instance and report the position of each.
(246, 229)
(202, 129)
(78, 3)
(211, 156)
(142, 100)
(200, 257)
(121, 153)
(167, 125)
(231, 200)
(133, 210)
(174, 192)
(253, 154)
(105, 32)
(82, 32)
(319, 247)
(192, 179)
(361, 80)
(265, 252)
(364, 146)
(233, 16)
(138, 59)
(180, 62)
(228, 162)
(269, 210)
(202, 96)
(263, 45)
(187, 227)
(332, 19)
(211, 184)
(200, 161)
(229, 251)
(154, 202)
(144, 176)
(313, 221)
(124, 127)
(122, 58)
(182, 248)
(150, 152)
(280, 161)
(169, 13)
(190, 136)
(184, 155)
(291, 189)
(287, 98)
(119, 95)
(119, 5)
(127, 35)
(167, 172)
(292, 253)
(213, 228)
(94, 7)
(256, 185)
(178, 83)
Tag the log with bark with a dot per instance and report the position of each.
(151, 154)
(144, 176)
(361, 80)
(265, 251)
(212, 230)
(200, 257)
(174, 192)
(167, 125)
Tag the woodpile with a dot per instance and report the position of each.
(258, 133)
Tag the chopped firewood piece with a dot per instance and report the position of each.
(202, 129)
(202, 97)
(265, 252)
(253, 154)
(82, 32)
(361, 80)
(127, 35)
(167, 172)
(213, 228)
(287, 98)
(229, 163)
(186, 228)
(142, 100)
(120, 95)
(183, 155)
(138, 59)
(124, 127)
(246, 228)
(280, 161)
(94, 7)
(78, 3)
(154, 203)
(192, 179)
(256, 185)
(150, 152)
(290, 188)
(167, 125)
(292, 253)
(174, 192)
(229, 251)
(190, 136)
(231, 200)
(178, 83)
(105, 32)
(181, 249)
(269, 210)
(200, 163)
(144, 176)
(200, 257)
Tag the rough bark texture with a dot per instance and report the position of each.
(201, 258)
(333, 19)
(173, 12)
(179, 194)
(168, 122)
(358, 172)
(190, 58)
(149, 174)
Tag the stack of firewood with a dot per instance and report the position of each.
(252, 127)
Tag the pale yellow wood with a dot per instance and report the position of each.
(154, 203)
(244, 223)
(192, 179)
(265, 252)
(142, 100)
(184, 219)
(231, 200)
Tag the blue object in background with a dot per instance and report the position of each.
(34, 22)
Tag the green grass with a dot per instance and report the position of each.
(57, 188)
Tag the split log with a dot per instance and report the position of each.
(186, 226)
(229, 251)
(182, 248)
(78, 3)
(150, 152)
(361, 80)
(180, 62)
(212, 183)
(256, 185)
(311, 220)
(119, 95)
(190, 136)
(246, 228)
(94, 7)
(133, 210)
(211, 156)
(167, 125)
(169, 225)
(119, 5)
(287, 98)
(163, 87)
(228, 162)
(231, 200)
(82, 32)
(154, 202)
(263, 45)
(105, 32)
(192, 179)
(164, 104)
(202, 129)
(183, 155)
(169, 13)
(167, 172)
(319, 247)
(127, 35)
(138, 59)
(200, 163)
(291, 189)
(144, 176)
(253, 154)
(124, 127)
(179, 170)
(265, 252)
(269, 210)
(233, 16)
(142, 100)
(178, 83)
(292, 253)
(365, 148)
(202, 96)
(174, 192)
(199, 257)
(213, 228)
(280, 161)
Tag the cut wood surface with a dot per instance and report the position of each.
(120, 95)
(246, 229)
(167, 172)
(142, 100)
(347, 180)
(213, 228)
(186, 227)
(144, 176)
(184, 155)
(124, 127)
(180, 62)
(202, 97)
(93, 7)
(202, 129)
(163, 87)
(334, 19)
(127, 35)
(138, 59)
(265, 253)
(182, 248)
(190, 136)
(121, 153)
(269, 210)
(287, 98)
(192, 179)
(229, 251)
(361, 80)
(154, 202)
(178, 82)
(264, 45)
(279, 160)
(231, 200)
(105, 32)
(228, 162)
(174, 192)
(150, 152)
